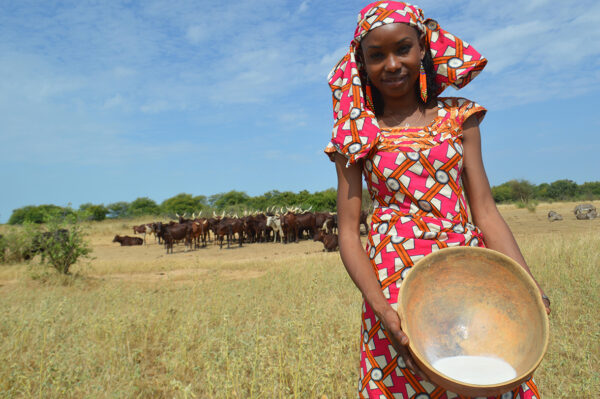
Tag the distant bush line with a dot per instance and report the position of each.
(513, 191)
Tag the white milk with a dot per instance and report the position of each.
(476, 370)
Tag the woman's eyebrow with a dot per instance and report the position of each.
(374, 46)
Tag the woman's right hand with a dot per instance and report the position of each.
(390, 321)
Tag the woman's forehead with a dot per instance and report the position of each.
(390, 33)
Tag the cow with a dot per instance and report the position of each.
(274, 222)
(199, 230)
(289, 226)
(141, 229)
(306, 221)
(127, 241)
(228, 227)
(330, 224)
(330, 241)
(175, 232)
(553, 216)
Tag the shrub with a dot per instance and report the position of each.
(16, 245)
(62, 245)
(530, 205)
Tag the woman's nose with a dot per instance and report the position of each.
(391, 63)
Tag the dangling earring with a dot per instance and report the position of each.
(423, 83)
(369, 95)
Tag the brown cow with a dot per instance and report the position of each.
(330, 241)
(127, 241)
(175, 232)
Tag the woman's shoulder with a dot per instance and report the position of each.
(461, 109)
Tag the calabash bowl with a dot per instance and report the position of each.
(468, 301)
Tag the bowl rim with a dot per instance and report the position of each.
(447, 382)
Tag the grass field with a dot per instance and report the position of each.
(261, 321)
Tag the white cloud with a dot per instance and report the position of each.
(196, 34)
(115, 101)
(303, 7)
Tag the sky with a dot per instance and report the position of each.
(110, 101)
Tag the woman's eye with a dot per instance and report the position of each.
(403, 50)
(375, 56)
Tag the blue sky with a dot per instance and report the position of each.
(109, 101)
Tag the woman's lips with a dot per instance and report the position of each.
(395, 81)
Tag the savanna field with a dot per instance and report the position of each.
(262, 321)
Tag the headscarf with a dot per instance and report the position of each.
(455, 62)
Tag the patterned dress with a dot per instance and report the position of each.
(414, 178)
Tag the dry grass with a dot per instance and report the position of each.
(262, 321)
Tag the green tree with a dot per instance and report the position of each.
(229, 199)
(563, 190)
(590, 189)
(118, 210)
(38, 214)
(89, 211)
(541, 191)
(183, 203)
(522, 190)
(502, 193)
(143, 206)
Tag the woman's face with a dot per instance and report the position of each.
(392, 56)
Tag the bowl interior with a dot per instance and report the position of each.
(473, 302)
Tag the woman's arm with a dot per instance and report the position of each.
(486, 216)
(355, 259)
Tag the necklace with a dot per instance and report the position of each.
(417, 121)
(395, 122)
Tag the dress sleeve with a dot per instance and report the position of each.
(468, 108)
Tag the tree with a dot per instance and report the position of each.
(229, 199)
(118, 210)
(522, 190)
(143, 206)
(183, 203)
(38, 214)
(89, 211)
(563, 189)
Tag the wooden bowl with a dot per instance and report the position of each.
(473, 302)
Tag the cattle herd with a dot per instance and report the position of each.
(271, 226)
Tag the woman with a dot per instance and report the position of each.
(417, 152)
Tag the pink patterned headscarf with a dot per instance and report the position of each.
(455, 62)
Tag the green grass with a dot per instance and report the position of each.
(290, 331)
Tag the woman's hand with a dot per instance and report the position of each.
(390, 321)
(546, 302)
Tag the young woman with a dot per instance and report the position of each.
(417, 152)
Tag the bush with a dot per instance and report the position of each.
(62, 245)
(16, 245)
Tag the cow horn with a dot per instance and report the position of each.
(309, 208)
(223, 215)
(194, 215)
(214, 214)
(176, 214)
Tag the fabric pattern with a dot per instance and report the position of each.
(456, 63)
(414, 177)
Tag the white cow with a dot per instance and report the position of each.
(274, 222)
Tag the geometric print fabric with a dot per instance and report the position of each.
(413, 176)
